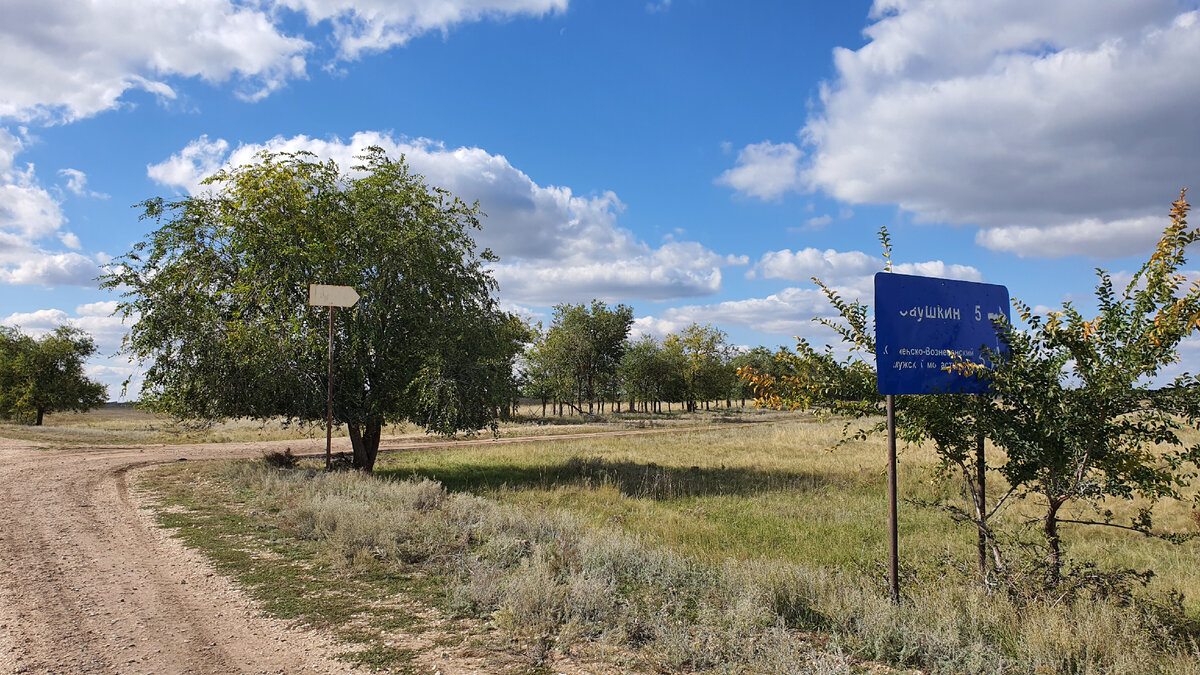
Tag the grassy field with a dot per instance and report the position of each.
(751, 549)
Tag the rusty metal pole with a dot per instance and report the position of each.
(329, 398)
(893, 529)
(981, 476)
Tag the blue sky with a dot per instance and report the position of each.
(697, 160)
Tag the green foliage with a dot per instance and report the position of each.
(219, 294)
(1082, 418)
(577, 359)
(705, 353)
(46, 374)
(1072, 400)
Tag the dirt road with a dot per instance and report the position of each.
(90, 585)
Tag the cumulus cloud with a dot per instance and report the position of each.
(765, 170)
(361, 26)
(789, 312)
(53, 269)
(1070, 117)
(185, 169)
(554, 245)
(29, 214)
(1090, 236)
(811, 262)
(847, 268)
(77, 184)
(63, 61)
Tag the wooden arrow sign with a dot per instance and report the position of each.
(331, 296)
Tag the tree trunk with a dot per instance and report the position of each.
(1053, 545)
(365, 441)
(41, 413)
(981, 505)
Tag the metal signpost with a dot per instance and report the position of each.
(331, 297)
(919, 323)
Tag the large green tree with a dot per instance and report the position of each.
(44, 375)
(219, 296)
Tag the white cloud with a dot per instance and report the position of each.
(818, 221)
(361, 26)
(788, 312)
(1023, 115)
(77, 183)
(847, 268)
(804, 264)
(555, 246)
(185, 169)
(937, 268)
(70, 240)
(1086, 237)
(765, 170)
(29, 215)
(53, 269)
(67, 60)
(26, 208)
(70, 60)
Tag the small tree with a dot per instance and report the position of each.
(706, 353)
(220, 296)
(46, 374)
(845, 386)
(1082, 416)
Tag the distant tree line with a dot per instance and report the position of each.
(586, 362)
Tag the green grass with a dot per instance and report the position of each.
(749, 549)
(775, 492)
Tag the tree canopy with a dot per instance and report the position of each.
(219, 297)
(44, 375)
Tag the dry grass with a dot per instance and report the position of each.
(554, 585)
(124, 424)
(751, 549)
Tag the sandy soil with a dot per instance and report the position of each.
(90, 585)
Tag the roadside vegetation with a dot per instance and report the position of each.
(747, 550)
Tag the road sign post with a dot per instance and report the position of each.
(331, 297)
(921, 325)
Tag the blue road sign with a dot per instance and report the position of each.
(919, 320)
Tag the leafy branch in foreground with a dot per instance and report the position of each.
(1083, 417)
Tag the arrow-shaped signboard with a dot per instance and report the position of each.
(331, 296)
(323, 295)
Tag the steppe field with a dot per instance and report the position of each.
(732, 540)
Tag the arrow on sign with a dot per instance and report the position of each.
(332, 296)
